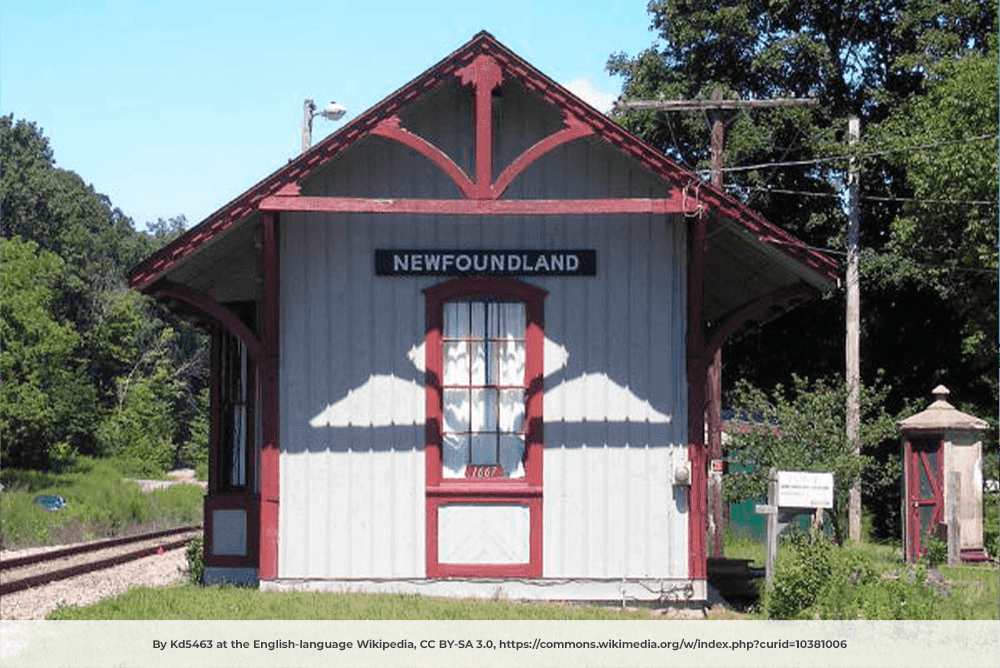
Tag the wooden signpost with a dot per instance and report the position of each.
(790, 494)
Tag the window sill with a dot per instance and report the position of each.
(501, 487)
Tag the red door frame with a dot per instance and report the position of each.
(526, 491)
(917, 462)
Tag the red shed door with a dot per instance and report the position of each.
(925, 499)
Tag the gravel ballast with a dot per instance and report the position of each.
(154, 571)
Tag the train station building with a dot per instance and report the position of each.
(461, 347)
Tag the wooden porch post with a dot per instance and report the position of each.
(269, 456)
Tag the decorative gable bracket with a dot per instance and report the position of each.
(482, 194)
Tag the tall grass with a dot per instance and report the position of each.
(100, 502)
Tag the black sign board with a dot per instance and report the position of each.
(485, 262)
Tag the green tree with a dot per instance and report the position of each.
(879, 60)
(123, 339)
(801, 428)
(142, 429)
(194, 452)
(45, 398)
(57, 210)
(945, 237)
(139, 431)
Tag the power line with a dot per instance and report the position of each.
(834, 251)
(873, 198)
(868, 154)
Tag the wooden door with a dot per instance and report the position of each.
(925, 495)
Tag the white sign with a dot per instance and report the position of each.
(797, 489)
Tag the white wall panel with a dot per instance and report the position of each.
(483, 534)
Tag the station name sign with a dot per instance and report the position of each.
(485, 262)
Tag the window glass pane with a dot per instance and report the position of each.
(926, 526)
(456, 320)
(479, 375)
(477, 314)
(512, 456)
(456, 410)
(484, 410)
(925, 486)
(237, 455)
(454, 455)
(511, 411)
(456, 363)
(506, 320)
(484, 449)
(509, 362)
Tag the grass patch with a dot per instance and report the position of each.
(238, 603)
(743, 545)
(100, 502)
(974, 592)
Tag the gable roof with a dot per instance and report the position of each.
(822, 268)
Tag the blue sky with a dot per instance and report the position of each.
(177, 107)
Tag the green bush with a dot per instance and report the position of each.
(139, 432)
(991, 523)
(801, 575)
(816, 580)
(801, 428)
(937, 551)
(195, 554)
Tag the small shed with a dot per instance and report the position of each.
(460, 347)
(943, 479)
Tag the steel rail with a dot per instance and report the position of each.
(100, 564)
(94, 546)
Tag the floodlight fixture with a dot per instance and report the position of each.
(332, 112)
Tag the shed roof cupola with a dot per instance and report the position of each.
(942, 416)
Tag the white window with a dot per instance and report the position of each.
(483, 389)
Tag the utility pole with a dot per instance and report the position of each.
(853, 335)
(715, 109)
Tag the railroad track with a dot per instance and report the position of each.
(45, 567)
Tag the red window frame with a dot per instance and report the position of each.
(525, 491)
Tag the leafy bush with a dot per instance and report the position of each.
(991, 523)
(194, 452)
(801, 428)
(816, 580)
(937, 551)
(195, 554)
(139, 432)
(800, 577)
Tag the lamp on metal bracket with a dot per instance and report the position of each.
(332, 112)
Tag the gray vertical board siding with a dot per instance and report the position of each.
(352, 499)
(353, 495)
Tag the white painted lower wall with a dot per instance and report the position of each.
(613, 511)
(626, 590)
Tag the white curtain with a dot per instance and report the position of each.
(484, 361)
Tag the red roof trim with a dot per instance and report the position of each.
(483, 43)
